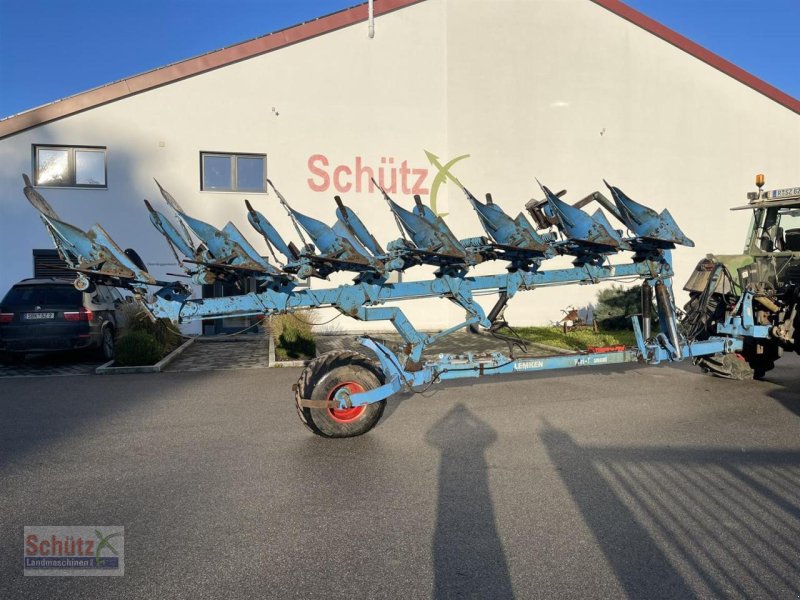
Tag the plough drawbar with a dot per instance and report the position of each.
(342, 394)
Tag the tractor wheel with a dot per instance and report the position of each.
(326, 375)
(762, 361)
(727, 366)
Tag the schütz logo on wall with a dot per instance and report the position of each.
(394, 175)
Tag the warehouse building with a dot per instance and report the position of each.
(496, 92)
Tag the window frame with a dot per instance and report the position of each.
(71, 166)
(233, 157)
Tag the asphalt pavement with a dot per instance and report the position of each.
(51, 365)
(641, 482)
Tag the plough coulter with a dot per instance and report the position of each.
(342, 394)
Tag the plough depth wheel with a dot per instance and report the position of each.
(326, 375)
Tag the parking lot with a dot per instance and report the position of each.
(50, 365)
(645, 482)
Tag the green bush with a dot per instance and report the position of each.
(138, 348)
(165, 332)
(616, 305)
(293, 336)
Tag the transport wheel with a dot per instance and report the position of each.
(326, 375)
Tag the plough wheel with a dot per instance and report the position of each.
(326, 375)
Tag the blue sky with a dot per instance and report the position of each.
(50, 49)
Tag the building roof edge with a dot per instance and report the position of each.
(694, 49)
(197, 65)
(298, 33)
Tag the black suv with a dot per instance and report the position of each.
(50, 315)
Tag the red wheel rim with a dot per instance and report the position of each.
(346, 415)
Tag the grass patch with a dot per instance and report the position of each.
(577, 339)
(293, 337)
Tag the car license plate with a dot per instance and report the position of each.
(38, 316)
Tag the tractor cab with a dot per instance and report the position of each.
(776, 220)
(772, 249)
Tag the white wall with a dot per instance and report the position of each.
(561, 90)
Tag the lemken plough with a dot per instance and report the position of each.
(343, 394)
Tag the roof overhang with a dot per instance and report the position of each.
(195, 66)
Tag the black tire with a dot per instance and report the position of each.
(760, 367)
(107, 343)
(323, 377)
(761, 362)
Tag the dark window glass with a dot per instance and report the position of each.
(43, 295)
(102, 294)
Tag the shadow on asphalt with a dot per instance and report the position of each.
(688, 522)
(789, 399)
(787, 375)
(468, 556)
(39, 418)
(431, 390)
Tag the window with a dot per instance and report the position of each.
(233, 172)
(69, 166)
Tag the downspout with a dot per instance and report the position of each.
(371, 19)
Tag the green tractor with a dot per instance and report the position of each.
(769, 269)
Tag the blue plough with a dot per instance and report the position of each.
(343, 394)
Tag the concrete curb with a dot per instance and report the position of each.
(289, 363)
(271, 356)
(107, 369)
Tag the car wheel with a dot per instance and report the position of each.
(107, 343)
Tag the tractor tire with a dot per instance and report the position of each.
(727, 366)
(327, 374)
(761, 362)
